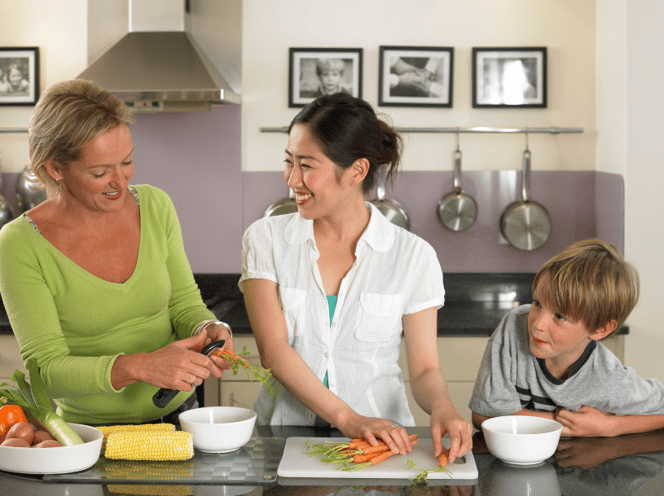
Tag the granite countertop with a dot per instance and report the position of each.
(474, 302)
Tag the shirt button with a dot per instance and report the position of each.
(326, 355)
(334, 324)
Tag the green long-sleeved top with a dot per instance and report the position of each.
(77, 324)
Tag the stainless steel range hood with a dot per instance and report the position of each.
(156, 69)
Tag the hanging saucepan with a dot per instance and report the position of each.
(391, 209)
(525, 223)
(28, 197)
(5, 210)
(457, 210)
(283, 206)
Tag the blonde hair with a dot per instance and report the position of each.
(590, 282)
(67, 117)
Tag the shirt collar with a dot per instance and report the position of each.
(379, 234)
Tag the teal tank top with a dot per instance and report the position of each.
(331, 305)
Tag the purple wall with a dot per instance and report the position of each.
(196, 158)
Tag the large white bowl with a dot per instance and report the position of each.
(521, 440)
(60, 460)
(218, 429)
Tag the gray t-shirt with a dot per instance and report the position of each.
(512, 379)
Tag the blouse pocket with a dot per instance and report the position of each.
(293, 304)
(379, 317)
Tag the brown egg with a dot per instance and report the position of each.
(15, 441)
(21, 430)
(49, 443)
(42, 436)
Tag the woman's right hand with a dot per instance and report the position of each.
(372, 429)
(174, 366)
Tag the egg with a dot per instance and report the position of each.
(15, 441)
(49, 443)
(42, 436)
(21, 430)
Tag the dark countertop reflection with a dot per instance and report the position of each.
(631, 465)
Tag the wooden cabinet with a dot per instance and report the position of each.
(460, 359)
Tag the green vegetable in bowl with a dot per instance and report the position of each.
(36, 403)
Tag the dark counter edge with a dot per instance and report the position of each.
(474, 302)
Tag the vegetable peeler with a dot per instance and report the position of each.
(162, 397)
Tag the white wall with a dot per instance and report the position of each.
(644, 177)
(59, 30)
(630, 109)
(566, 27)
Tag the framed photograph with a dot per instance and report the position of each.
(19, 75)
(415, 76)
(509, 77)
(314, 72)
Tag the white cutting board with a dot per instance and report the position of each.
(296, 462)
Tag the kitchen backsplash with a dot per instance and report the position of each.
(196, 158)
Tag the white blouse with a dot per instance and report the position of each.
(395, 273)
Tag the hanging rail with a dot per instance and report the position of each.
(9, 130)
(527, 130)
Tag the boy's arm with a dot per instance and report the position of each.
(590, 422)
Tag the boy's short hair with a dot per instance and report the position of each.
(324, 65)
(590, 282)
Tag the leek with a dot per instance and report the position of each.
(36, 403)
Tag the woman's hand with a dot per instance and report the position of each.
(371, 428)
(174, 366)
(216, 333)
(446, 420)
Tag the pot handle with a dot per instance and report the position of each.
(457, 171)
(382, 175)
(526, 174)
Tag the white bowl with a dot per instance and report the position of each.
(218, 429)
(521, 440)
(60, 460)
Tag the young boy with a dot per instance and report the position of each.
(545, 359)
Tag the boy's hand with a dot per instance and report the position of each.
(586, 421)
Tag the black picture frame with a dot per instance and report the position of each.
(509, 77)
(305, 65)
(19, 76)
(415, 76)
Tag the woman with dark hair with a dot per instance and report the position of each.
(330, 289)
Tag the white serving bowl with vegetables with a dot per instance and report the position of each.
(521, 440)
(218, 429)
(58, 460)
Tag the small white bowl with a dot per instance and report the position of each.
(218, 429)
(521, 440)
(60, 460)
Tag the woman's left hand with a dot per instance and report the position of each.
(448, 421)
(216, 333)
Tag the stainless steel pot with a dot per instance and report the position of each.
(391, 209)
(5, 209)
(28, 197)
(283, 206)
(525, 223)
(457, 210)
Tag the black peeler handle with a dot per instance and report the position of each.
(163, 397)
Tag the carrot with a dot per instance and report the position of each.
(443, 458)
(381, 457)
(374, 449)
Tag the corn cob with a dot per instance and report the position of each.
(110, 429)
(149, 445)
